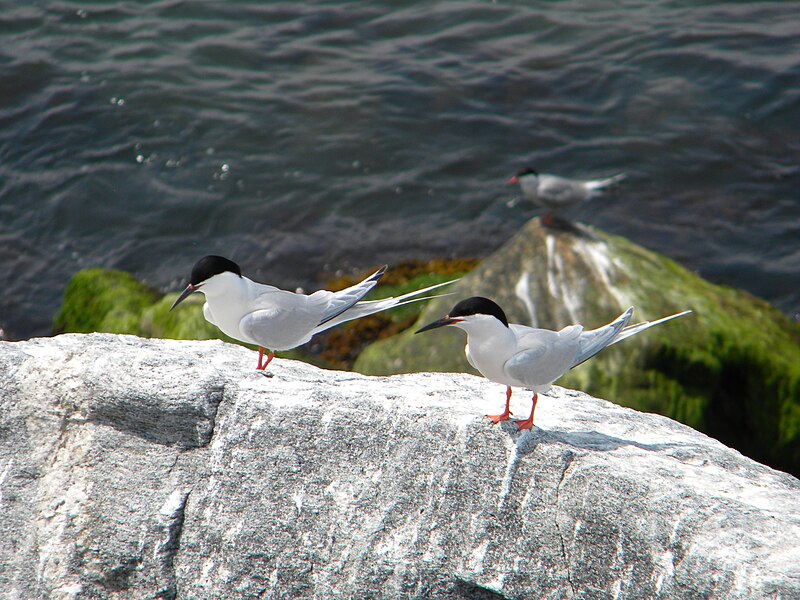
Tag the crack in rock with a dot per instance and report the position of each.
(568, 458)
(216, 396)
(172, 516)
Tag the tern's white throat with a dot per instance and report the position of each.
(489, 344)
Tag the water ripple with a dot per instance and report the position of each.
(304, 138)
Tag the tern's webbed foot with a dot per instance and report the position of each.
(524, 424)
(528, 423)
(495, 419)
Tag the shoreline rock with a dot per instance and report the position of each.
(731, 369)
(135, 468)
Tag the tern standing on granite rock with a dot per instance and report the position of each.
(528, 357)
(555, 193)
(275, 319)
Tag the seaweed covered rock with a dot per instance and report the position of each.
(103, 300)
(732, 369)
(111, 301)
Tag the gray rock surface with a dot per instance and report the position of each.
(134, 468)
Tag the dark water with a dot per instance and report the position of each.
(304, 138)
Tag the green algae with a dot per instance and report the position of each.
(103, 300)
(738, 361)
(186, 322)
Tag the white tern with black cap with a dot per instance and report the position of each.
(554, 192)
(518, 355)
(275, 319)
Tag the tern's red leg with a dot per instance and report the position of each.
(528, 423)
(270, 356)
(506, 413)
(547, 220)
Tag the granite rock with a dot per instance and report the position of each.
(143, 468)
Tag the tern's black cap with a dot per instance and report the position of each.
(527, 171)
(211, 265)
(478, 305)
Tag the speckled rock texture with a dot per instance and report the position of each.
(133, 468)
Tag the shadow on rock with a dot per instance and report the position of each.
(584, 440)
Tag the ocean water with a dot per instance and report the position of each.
(305, 139)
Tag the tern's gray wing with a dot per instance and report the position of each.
(332, 304)
(281, 320)
(544, 355)
(592, 342)
(557, 191)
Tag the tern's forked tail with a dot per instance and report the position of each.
(592, 342)
(639, 327)
(370, 307)
(599, 184)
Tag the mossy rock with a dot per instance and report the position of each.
(110, 301)
(731, 369)
(103, 300)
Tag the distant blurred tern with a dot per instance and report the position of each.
(527, 357)
(555, 193)
(277, 319)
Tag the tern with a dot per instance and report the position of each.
(554, 193)
(275, 319)
(518, 355)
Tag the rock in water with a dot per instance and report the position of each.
(133, 468)
(731, 369)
